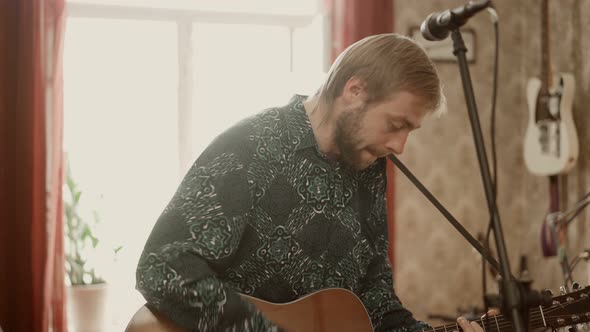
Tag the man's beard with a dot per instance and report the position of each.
(346, 137)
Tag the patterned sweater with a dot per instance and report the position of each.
(263, 213)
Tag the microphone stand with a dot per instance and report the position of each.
(516, 297)
(510, 291)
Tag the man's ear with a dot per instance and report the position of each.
(354, 90)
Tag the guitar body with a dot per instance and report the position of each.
(339, 310)
(328, 310)
(551, 147)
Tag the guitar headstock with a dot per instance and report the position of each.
(568, 309)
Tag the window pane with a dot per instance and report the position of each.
(300, 7)
(308, 48)
(120, 95)
(238, 70)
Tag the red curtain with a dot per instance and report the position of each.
(31, 251)
(352, 20)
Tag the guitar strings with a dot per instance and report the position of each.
(498, 322)
(498, 325)
(494, 324)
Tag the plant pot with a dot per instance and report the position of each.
(87, 308)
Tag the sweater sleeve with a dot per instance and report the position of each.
(377, 291)
(384, 307)
(193, 241)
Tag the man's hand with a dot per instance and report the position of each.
(468, 326)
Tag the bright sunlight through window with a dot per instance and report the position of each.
(131, 82)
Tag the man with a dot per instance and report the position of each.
(292, 200)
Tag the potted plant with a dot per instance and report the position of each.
(87, 290)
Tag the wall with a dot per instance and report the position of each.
(436, 270)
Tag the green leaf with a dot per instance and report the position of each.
(79, 234)
(94, 241)
(76, 197)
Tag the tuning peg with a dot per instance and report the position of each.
(547, 295)
(562, 290)
(576, 286)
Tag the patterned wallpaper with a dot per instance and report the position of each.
(436, 270)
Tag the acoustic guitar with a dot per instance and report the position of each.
(339, 310)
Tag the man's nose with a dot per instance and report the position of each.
(397, 142)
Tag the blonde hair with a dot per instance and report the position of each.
(386, 63)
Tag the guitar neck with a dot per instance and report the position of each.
(546, 76)
(497, 323)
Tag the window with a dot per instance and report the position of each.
(148, 84)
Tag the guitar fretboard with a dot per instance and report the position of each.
(546, 77)
(497, 323)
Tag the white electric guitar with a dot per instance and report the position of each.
(551, 142)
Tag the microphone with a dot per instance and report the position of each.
(437, 26)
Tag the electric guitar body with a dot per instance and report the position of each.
(551, 142)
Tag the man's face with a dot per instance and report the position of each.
(367, 132)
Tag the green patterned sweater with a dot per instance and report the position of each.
(261, 212)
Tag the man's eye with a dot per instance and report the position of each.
(396, 126)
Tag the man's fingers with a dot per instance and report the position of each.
(473, 326)
(476, 327)
(464, 324)
(467, 326)
(492, 312)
